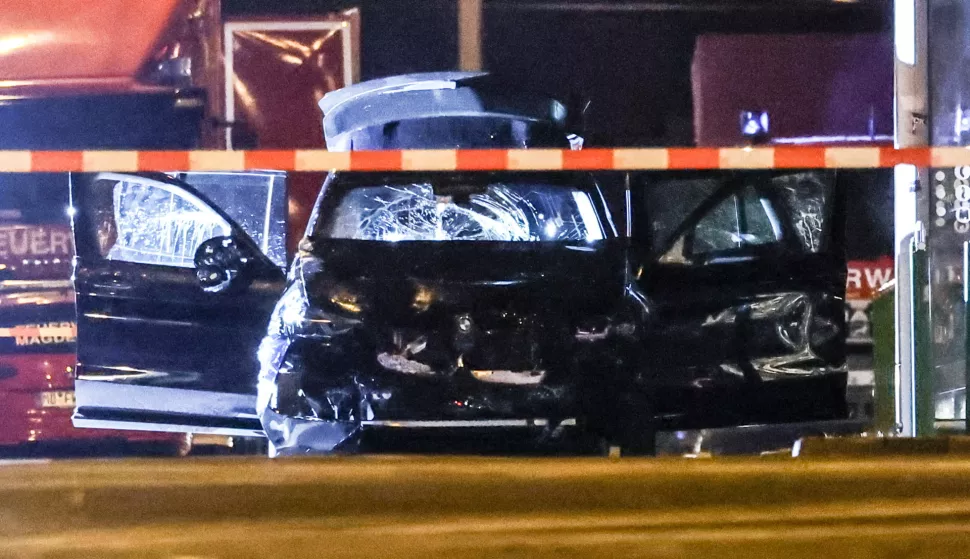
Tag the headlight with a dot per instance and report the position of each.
(298, 319)
(346, 300)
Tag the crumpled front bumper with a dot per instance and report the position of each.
(332, 409)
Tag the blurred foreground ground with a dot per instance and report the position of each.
(412, 506)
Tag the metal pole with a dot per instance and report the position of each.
(470, 34)
(911, 212)
(966, 328)
(923, 408)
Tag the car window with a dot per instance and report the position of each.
(804, 197)
(671, 202)
(743, 219)
(719, 229)
(256, 201)
(498, 212)
(155, 223)
(750, 216)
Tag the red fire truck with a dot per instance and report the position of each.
(176, 77)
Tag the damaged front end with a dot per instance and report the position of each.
(330, 377)
(289, 421)
(442, 299)
(444, 303)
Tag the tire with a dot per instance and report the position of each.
(637, 428)
(615, 412)
(249, 446)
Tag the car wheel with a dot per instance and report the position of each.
(626, 425)
(636, 429)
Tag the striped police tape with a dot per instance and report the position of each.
(620, 159)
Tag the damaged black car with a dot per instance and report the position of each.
(417, 301)
(537, 302)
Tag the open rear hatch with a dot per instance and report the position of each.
(444, 110)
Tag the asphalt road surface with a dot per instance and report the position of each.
(411, 506)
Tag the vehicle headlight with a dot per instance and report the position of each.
(298, 318)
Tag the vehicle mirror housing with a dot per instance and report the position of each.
(219, 264)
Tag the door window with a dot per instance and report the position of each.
(671, 202)
(255, 201)
(805, 197)
(787, 211)
(155, 223)
(741, 220)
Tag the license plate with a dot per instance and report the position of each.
(57, 399)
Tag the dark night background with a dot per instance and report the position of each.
(631, 59)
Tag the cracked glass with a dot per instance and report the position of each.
(498, 212)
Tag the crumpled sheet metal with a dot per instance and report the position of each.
(297, 436)
(804, 195)
(334, 420)
(793, 325)
(293, 433)
(310, 401)
(473, 109)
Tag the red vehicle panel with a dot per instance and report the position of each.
(37, 402)
(56, 60)
(824, 88)
(37, 318)
(54, 42)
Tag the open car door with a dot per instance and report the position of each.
(176, 276)
(746, 271)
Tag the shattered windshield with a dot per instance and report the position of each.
(498, 212)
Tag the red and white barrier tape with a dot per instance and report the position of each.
(485, 160)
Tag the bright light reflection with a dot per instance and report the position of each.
(905, 201)
(905, 31)
(594, 231)
(18, 42)
(551, 230)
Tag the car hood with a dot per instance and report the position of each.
(407, 282)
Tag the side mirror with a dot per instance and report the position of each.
(219, 262)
